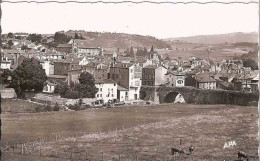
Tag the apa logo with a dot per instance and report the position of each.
(230, 144)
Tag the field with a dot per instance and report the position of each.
(132, 133)
(220, 51)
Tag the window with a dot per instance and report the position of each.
(126, 93)
(114, 84)
(101, 89)
(97, 95)
(131, 70)
(112, 95)
(108, 89)
(179, 81)
(100, 95)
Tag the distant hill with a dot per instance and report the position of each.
(218, 39)
(119, 40)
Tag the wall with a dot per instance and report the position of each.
(160, 75)
(8, 93)
(109, 91)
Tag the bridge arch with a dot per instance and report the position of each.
(174, 97)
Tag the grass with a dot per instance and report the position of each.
(147, 133)
(17, 106)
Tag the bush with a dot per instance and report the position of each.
(75, 107)
(71, 94)
(56, 107)
(48, 108)
(39, 109)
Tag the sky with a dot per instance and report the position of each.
(158, 20)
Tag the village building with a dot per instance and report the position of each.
(67, 48)
(82, 47)
(122, 94)
(57, 78)
(205, 81)
(175, 79)
(49, 87)
(127, 75)
(98, 70)
(153, 75)
(61, 67)
(107, 90)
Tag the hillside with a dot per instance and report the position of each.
(119, 40)
(220, 51)
(218, 39)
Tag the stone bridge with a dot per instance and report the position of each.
(164, 94)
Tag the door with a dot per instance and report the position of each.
(135, 96)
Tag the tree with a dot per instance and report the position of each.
(87, 86)
(28, 76)
(6, 74)
(76, 36)
(25, 47)
(62, 88)
(250, 63)
(10, 43)
(132, 51)
(10, 35)
(61, 38)
(37, 38)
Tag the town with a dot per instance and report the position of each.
(120, 74)
(129, 80)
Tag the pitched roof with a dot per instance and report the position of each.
(64, 46)
(57, 76)
(120, 88)
(104, 81)
(151, 66)
(204, 77)
(123, 65)
(125, 58)
(50, 83)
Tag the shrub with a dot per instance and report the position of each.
(39, 109)
(56, 107)
(48, 108)
(75, 107)
(71, 94)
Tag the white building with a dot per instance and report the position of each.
(49, 87)
(5, 64)
(122, 94)
(46, 66)
(107, 90)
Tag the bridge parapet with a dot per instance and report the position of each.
(196, 96)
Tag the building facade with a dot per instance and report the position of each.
(127, 75)
(107, 90)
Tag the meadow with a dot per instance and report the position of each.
(132, 133)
